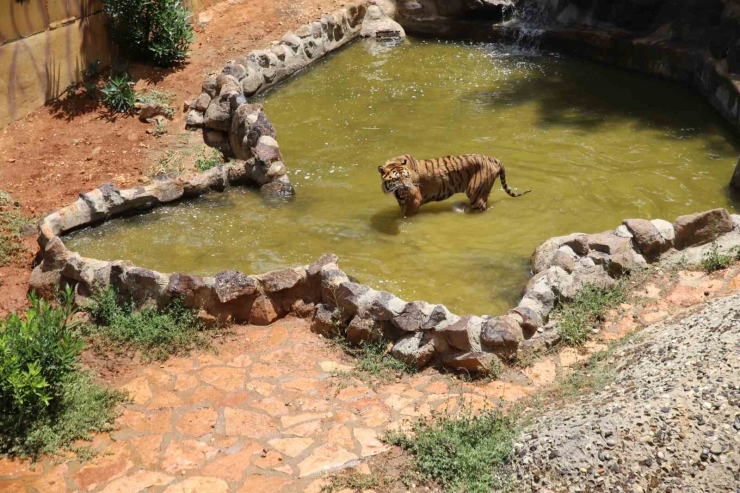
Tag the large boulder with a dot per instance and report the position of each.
(362, 330)
(473, 362)
(231, 285)
(619, 249)
(464, 334)
(543, 256)
(702, 227)
(326, 321)
(218, 114)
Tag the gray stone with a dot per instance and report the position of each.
(362, 330)
(236, 99)
(702, 227)
(190, 289)
(473, 362)
(281, 280)
(216, 179)
(595, 276)
(531, 320)
(196, 119)
(201, 104)
(149, 111)
(227, 84)
(564, 261)
(414, 316)
(267, 151)
(210, 86)
(354, 298)
(278, 188)
(414, 349)
(543, 255)
(292, 41)
(647, 237)
(376, 21)
(502, 334)
(325, 322)
(385, 306)
(231, 285)
(622, 231)
(218, 114)
(235, 70)
(252, 81)
(665, 229)
(263, 311)
(465, 334)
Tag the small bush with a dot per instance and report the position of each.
(713, 260)
(464, 453)
(579, 316)
(45, 402)
(119, 94)
(156, 333)
(11, 224)
(204, 164)
(152, 30)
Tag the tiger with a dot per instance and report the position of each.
(415, 182)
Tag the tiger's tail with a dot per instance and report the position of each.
(506, 187)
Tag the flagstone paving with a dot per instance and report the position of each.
(273, 410)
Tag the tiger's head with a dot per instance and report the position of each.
(396, 174)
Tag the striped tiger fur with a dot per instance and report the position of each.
(415, 182)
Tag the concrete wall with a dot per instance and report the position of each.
(44, 46)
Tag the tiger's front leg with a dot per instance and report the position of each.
(411, 203)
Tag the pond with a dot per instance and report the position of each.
(595, 144)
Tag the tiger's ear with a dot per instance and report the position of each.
(380, 170)
(404, 161)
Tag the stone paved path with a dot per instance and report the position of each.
(271, 411)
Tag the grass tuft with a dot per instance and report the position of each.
(579, 316)
(463, 453)
(372, 359)
(156, 333)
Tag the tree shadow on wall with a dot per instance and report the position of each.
(587, 96)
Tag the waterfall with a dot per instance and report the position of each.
(530, 18)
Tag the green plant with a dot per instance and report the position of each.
(157, 333)
(462, 453)
(204, 163)
(11, 224)
(119, 94)
(579, 316)
(156, 96)
(713, 260)
(156, 30)
(160, 129)
(351, 480)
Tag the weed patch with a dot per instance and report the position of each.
(579, 316)
(169, 164)
(713, 260)
(464, 453)
(204, 163)
(372, 359)
(157, 334)
(11, 224)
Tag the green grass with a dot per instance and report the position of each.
(155, 333)
(372, 359)
(579, 316)
(468, 453)
(82, 409)
(351, 480)
(156, 96)
(713, 260)
(169, 163)
(11, 223)
(204, 163)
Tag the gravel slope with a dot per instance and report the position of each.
(670, 421)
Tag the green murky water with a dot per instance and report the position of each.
(595, 144)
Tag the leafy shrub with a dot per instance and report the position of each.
(156, 333)
(587, 309)
(45, 402)
(119, 94)
(156, 30)
(204, 163)
(463, 453)
(713, 260)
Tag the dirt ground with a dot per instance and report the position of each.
(72, 145)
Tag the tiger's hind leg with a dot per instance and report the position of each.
(478, 191)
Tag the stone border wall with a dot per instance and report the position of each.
(337, 303)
